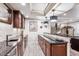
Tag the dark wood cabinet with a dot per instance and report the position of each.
(21, 46)
(22, 21)
(25, 42)
(75, 43)
(10, 17)
(18, 19)
(5, 14)
(59, 50)
(41, 43)
(50, 49)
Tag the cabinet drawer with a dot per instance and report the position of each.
(47, 49)
(59, 50)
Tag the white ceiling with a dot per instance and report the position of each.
(61, 8)
(30, 9)
(24, 9)
(36, 10)
(3, 12)
(38, 6)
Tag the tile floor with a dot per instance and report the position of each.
(33, 48)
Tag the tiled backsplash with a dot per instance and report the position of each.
(5, 29)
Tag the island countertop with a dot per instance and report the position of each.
(66, 39)
(53, 40)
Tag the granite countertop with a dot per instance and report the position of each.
(75, 37)
(53, 40)
(4, 50)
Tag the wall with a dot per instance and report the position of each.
(6, 29)
(43, 29)
(26, 31)
(76, 28)
(40, 30)
(73, 15)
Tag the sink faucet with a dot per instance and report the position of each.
(7, 39)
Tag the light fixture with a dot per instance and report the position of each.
(53, 18)
(64, 14)
(23, 4)
(27, 16)
(15, 29)
(46, 22)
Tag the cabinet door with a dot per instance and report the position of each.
(16, 19)
(59, 50)
(48, 49)
(18, 49)
(21, 48)
(44, 46)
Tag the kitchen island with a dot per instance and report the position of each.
(52, 46)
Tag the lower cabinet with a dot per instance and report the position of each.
(50, 49)
(41, 42)
(13, 52)
(59, 50)
(19, 49)
(47, 49)
(25, 41)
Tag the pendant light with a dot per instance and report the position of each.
(46, 22)
(53, 18)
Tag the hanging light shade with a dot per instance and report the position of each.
(53, 18)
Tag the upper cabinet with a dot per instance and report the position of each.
(22, 21)
(18, 19)
(5, 14)
(11, 16)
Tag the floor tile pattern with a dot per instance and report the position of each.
(33, 48)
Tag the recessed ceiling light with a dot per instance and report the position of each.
(65, 14)
(23, 4)
(27, 16)
(15, 29)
